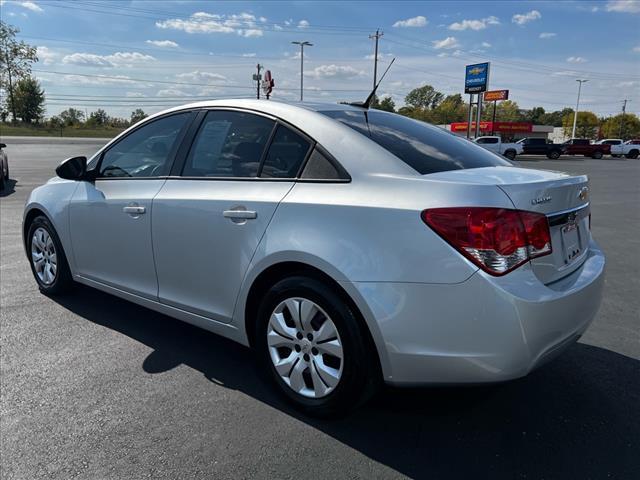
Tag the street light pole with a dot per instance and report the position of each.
(302, 45)
(575, 115)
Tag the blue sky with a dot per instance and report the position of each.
(119, 55)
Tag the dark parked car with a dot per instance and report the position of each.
(4, 167)
(583, 146)
(541, 146)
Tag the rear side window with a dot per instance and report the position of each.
(228, 144)
(286, 154)
(425, 148)
(319, 167)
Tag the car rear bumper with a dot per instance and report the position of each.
(485, 329)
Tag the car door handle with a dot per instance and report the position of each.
(134, 210)
(240, 214)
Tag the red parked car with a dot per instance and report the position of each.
(583, 146)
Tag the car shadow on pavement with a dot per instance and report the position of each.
(577, 417)
(9, 187)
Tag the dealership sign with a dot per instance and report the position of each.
(506, 127)
(496, 95)
(476, 78)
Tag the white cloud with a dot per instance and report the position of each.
(244, 24)
(201, 77)
(134, 94)
(335, 71)
(576, 60)
(636, 49)
(114, 80)
(250, 32)
(46, 55)
(413, 22)
(163, 43)
(546, 35)
(447, 43)
(249, 55)
(172, 92)
(486, 44)
(625, 6)
(480, 24)
(277, 27)
(303, 24)
(117, 59)
(34, 7)
(380, 56)
(522, 18)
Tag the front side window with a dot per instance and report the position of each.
(286, 154)
(146, 152)
(425, 148)
(228, 144)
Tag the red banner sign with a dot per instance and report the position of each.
(494, 127)
(496, 95)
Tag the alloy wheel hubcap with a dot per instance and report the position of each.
(305, 347)
(43, 256)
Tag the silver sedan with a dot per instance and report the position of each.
(348, 247)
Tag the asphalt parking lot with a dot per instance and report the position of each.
(96, 387)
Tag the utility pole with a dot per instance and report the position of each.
(302, 45)
(376, 36)
(257, 77)
(624, 109)
(575, 115)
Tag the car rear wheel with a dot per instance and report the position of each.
(310, 345)
(47, 259)
(597, 155)
(510, 154)
(553, 155)
(632, 154)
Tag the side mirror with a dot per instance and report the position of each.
(3, 145)
(74, 168)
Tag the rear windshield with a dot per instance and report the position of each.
(425, 148)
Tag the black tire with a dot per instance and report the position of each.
(510, 154)
(359, 379)
(63, 280)
(2, 182)
(553, 155)
(632, 154)
(597, 155)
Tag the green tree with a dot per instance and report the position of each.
(622, 126)
(387, 104)
(586, 126)
(137, 115)
(555, 118)
(72, 116)
(425, 97)
(15, 63)
(536, 115)
(508, 111)
(99, 118)
(451, 109)
(29, 100)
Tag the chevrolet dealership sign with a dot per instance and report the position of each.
(476, 78)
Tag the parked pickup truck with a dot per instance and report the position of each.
(496, 145)
(612, 142)
(630, 149)
(583, 146)
(541, 146)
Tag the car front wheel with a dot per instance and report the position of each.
(311, 346)
(47, 259)
(597, 155)
(553, 155)
(510, 154)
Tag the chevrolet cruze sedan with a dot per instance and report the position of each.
(348, 247)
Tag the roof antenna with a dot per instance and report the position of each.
(369, 99)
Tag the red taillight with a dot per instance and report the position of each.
(496, 239)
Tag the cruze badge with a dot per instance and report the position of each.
(583, 193)
(539, 200)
